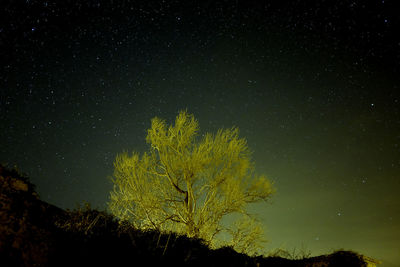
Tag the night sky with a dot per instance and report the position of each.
(312, 85)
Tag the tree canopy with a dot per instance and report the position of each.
(187, 183)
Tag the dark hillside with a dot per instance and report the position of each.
(35, 233)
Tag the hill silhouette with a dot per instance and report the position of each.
(36, 233)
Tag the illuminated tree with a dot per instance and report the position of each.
(188, 184)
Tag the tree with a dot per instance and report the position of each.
(188, 184)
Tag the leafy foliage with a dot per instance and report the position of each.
(187, 185)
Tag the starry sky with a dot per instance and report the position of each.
(312, 85)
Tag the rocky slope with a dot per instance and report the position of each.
(35, 233)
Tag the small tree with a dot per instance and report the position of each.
(187, 185)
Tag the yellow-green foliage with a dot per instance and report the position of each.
(187, 185)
